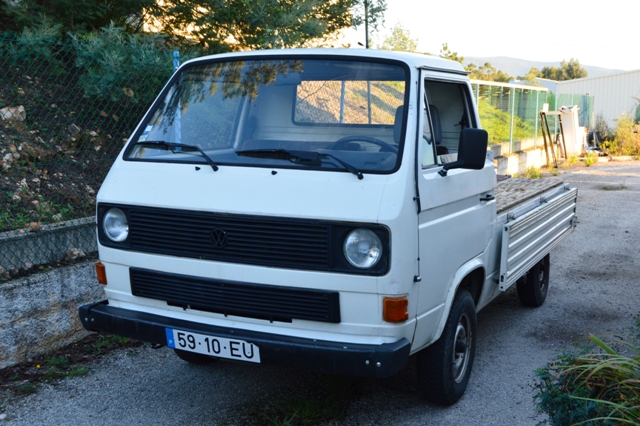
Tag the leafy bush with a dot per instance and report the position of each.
(590, 158)
(36, 45)
(119, 65)
(626, 139)
(599, 386)
(532, 173)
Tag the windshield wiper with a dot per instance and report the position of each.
(298, 157)
(177, 148)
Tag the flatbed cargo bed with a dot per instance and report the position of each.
(513, 191)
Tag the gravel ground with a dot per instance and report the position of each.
(594, 289)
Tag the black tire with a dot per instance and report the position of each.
(194, 358)
(534, 285)
(444, 368)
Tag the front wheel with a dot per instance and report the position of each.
(444, 368)
(534, 285)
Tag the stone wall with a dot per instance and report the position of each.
(40, 312)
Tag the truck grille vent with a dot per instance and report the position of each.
(229, 298)
(237, 239)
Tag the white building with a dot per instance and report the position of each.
(614, 95)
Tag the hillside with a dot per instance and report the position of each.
(519, 67)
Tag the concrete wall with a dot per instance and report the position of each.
(40, 312)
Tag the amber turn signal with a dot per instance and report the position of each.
(101, 272)
(394, 309)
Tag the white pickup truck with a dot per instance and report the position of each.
(334, 210)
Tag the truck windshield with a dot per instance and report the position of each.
(343, 110)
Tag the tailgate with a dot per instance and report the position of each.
(533, 229)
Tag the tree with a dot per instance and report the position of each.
(369, 13)
(399, 39)
(487, 72)
(566, 71)
(231, 25)
(448, 54)
(73, 15)
(530, 77)
(215, 25)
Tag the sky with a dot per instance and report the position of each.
(597, 33)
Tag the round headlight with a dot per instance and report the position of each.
(115, 226)
(362, 248)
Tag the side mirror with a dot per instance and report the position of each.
(472, 151)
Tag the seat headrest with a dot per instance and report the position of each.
(397, 124)
(435, 121)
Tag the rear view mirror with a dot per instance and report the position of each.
(472, 151)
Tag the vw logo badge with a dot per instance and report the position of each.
(219, 238)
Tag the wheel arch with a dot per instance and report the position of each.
(471, 277)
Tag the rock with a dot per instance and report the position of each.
(35, 227)
(74, 130)
(13, 113)
(74, 254)
(93, 134)
(3, 416)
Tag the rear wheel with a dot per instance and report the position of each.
(534, 285)
(444, 367)
(194, 358)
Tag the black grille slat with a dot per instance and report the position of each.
(250, 300)
(255, 240)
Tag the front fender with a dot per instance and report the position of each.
(454, 285)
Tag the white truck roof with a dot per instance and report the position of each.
(416, 60)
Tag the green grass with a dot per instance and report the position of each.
(531, 173)
(590, 158)
(327, 403)
(599, 385)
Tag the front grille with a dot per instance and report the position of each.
(229, 298)
(303, 244)
(251, 240)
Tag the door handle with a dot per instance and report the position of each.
(488, 197)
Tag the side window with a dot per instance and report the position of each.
(447, 113)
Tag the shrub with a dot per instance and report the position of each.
(590, 158)
(532, 173)
(626, 139)
(599, 386)
(37, 46)
(121, 66)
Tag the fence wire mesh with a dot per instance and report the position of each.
(510, 113)
(67, 107)
(65, 113)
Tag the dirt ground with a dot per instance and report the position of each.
(594, 289)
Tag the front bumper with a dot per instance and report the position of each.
(332, 357)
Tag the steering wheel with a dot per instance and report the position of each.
(385, 147)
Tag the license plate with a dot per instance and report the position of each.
(220, 347)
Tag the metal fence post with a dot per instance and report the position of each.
(513, 112)
(176, 60)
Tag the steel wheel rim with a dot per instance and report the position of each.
(542, 276)
(461, 348)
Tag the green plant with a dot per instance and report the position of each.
(626, 139)
(600, 385)
(590, 158)
(618, 187)
(531, 173)
(573, 159)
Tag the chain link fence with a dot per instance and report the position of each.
(66, 108)
(510, 112)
